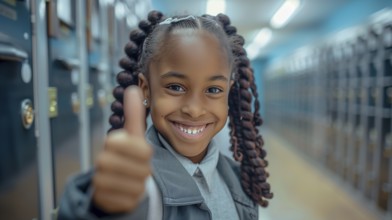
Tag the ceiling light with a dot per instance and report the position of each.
(284, 13)
(262, 38)
(119, 10)
(252, 51)
(215, 7)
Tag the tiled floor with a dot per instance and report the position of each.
(303, 191)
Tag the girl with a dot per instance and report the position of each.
(192, 73)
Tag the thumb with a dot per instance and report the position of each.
(134, 111)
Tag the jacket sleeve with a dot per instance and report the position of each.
(75, 203)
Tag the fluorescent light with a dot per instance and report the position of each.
(252, 51)
(119, 10)
(284, 13)
(215, 7)
(262, 38)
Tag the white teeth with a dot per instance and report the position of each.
(190, 131)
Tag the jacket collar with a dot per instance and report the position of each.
(230, 172)
(207, 166)
(178, 187)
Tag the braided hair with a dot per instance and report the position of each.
(244, 118)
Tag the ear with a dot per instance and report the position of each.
(143, 84)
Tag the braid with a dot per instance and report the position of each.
(129, 76)
(245, 139)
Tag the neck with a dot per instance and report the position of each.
(198, 158)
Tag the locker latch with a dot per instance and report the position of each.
(90, 96)
(75, 103)
(27, 113)
(53, 108)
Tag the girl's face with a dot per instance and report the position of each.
(187, 90)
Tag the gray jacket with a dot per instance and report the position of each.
(181, 198)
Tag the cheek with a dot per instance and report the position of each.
(162, 104)
(219, 107)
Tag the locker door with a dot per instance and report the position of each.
(360, 121)
(338, 85)
(352, 113)
(380, 122)
(64, 76)
(98, 75)
(330, 93)
(344, 107)
(18, 158)
(370, 69)
(385, 192)
(387, 35)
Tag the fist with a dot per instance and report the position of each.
(123, 167)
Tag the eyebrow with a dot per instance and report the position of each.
(183, 76)
(173, 74)
(218, 77)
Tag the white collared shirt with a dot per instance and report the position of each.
(210, 183)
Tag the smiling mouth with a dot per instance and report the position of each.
(190, 131)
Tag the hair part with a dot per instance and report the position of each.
(145, 46)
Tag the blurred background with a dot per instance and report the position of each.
(324, 76)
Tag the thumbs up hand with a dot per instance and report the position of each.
(123, 167)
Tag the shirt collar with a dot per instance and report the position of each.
(207, 166)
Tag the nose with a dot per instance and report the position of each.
(194, 106)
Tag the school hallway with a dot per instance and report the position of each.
(304, 190)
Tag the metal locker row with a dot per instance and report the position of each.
(58, 61)
(333, 100)
(18, 158)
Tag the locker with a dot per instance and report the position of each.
(360, 96)
(98, 101)
(97, 97)
(352, 111)
(339, 85)
(373, 48)
(18, 164)
(363, 99)
(385, 173)
(331, 110)
(371, 146)
(387, 42)
(64, 70)
(355, 112)
(326, 98)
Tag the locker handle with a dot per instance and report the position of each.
(68, 63)
(27, 113)
(11, 53)
(53, 104)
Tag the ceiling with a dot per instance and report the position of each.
(249, 16)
